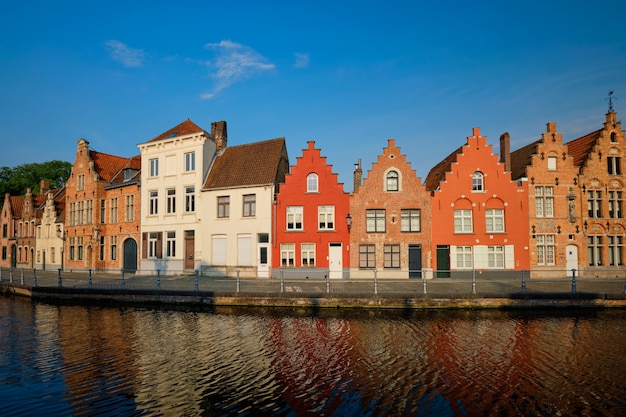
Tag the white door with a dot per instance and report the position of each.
(263, 268)
(335, 268)
(571, 259)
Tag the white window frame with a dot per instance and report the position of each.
(494, 220)
(463, 221)
(495, 257)
(546, 249)
(375, 220)
(616, 250)
(295, 218)
(287, 255)
(410, 220)
(307, 254)
(153, 202)
(154, 167)
(190, 161)
(312, 183)
(170, 244)
(464, 257)
(190, 199)
(326, 217)
(478, 182)
(170, 207)
(544, 201)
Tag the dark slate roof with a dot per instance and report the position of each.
(581, 147)
(251, 164)
(438, 172)
(185, 128)
(520, 159)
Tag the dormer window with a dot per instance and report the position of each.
(311, 183)
(392, 181)
(478, 183)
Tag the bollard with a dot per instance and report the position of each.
(573, 281)
(158, 279)
(424, 281)
(0, 274)
(60, 282)
(22, 276)
(11, 275)
(328, 283)
(375, 281)
(282, 282)
(238, 282)
(34, 279)
(196, 281)
(90, 279)
(523, 283)
(123, 282)
(473, 281)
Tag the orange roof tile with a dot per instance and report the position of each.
(438, 172)
(17, 203)
(581, 147)
(107, 165)
(520, 159)
(185, 128)
(250, 164)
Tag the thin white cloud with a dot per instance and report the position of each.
(302, 60)
(120, 52)
(233, 62)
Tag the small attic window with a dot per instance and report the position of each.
(128, 174)
(171, 135)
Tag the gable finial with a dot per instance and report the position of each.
(610, 99)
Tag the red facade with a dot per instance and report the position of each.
(311, 237)
(479, 215)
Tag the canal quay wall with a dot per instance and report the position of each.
(290, 299)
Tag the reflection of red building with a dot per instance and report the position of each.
(310, 221)
(481, 216)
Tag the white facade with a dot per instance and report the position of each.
(173, 169)
(234, 240)
(49, 237)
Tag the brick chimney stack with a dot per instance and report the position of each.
(358, 176)
(44, 187)
(219, 135)
(505, 151)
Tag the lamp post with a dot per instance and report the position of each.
(349, 221)
(61, 235)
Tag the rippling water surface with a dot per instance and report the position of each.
(88, 360)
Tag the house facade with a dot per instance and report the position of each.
(390, 212)
(174, 165)
(50, 231)
(554, 206)
(601, 188)
(311, 231)
(9, 218)
(479, 214)
(237, 206)
(94, 227)
(27, 226)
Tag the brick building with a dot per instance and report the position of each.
(555, 201)
(390, 212)
(312, 237)
(480, 215)
(599, 156)
(102, 211)
(27, 226)
(9, 218)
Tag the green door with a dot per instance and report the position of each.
(443, 261)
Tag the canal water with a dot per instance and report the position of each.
(61, 360)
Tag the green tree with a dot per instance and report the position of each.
(17, 180)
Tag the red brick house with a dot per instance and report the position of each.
(9, 218)
(556, 235)
(312, 235)
(480, 215)
(390, 235)
(27, 226)
(102, 211)
(600, 190)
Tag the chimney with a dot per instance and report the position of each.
(219, 135)
(505, 151)
(44, 187)
(358, 175)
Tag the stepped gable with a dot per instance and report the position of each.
(185, 128)
(520, 159)
(580, 148)
(255, 163)
(438, 172)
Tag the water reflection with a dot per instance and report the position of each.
(87, 360)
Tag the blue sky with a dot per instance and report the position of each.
(346, 74)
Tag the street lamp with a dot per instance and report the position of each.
(61, 235)
(349, 221)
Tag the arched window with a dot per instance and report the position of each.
(478, 181)
(311, 183)
(392, 181)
